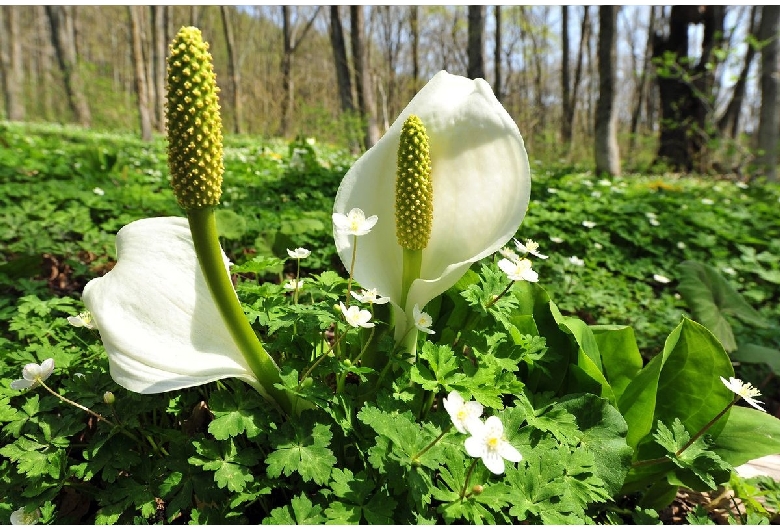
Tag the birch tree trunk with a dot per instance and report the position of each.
(607, 151)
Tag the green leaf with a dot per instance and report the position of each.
(711, 299)
(686, 374)
(689, 383)
(604, 436)
(444, 371)
(748, 434)
(236, 413)
(302, 447)
(753, 353)
(620, 355)
(231, 467)
(300, 512)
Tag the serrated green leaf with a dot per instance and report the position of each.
(302, 447)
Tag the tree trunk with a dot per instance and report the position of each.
(287, 62)
(233, 74)
(141, 87)
(11, 63)
(365, 93)
(476, 42)
(566, 102)
(607, 152)
(160, 15)
(414, 24)
(728, 124)
(289, 44)
(686, 91)
(584, 50)
(640, 98)
(63, 38)
(497, 85)
(769, 120)
(340, 60)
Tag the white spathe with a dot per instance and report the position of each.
(481, 187)
(158, 322)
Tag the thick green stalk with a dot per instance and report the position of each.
(203, 226)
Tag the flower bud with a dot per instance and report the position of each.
(477, 489)
(108, 398)
(193, 122)
(413, 187)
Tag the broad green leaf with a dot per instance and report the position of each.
(619, 354)
(748, 434)
(753, 353)
(689, 387)
(604, 436)
(711, 299)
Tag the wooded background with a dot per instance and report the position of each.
(683, 88)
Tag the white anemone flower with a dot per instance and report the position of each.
(370, 296)
(588, 224)
(157, 319)
(488, 442)
(422, 321)
(481, 187)
(294, 284)
(744, 390)
(519, 270)
(299, 253)
(355, 223)
(462, 413)
(577, 262)
(356, 317)
(22, 517)
(33, 374)
(529, 247)
(82, 320)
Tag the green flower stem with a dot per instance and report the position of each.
(203, 226)
(690, 442)
(468, 477)
(434, 442)
(706, 427)
(412, 265)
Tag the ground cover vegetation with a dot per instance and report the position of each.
(615, 247)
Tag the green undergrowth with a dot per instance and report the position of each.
(574, 386)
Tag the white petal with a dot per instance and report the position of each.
(47, 367)
(21, 384)
(156, 317)
(494, 463)
(475, 446)
(481, 186)
(507, 451)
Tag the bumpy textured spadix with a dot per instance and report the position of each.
(413, 187)
(193, 121)
(481, 186)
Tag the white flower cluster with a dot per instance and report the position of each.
(487, 440)
(519, 268)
